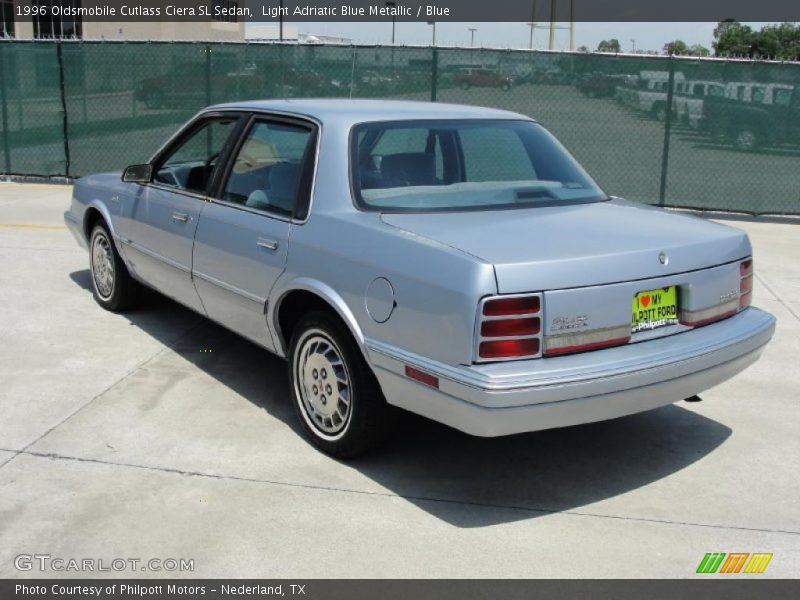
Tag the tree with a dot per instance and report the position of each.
(724, 26)
(772, 41)
(698, 50)
(583, 49)
(733, 39)
(676, 47)
(611, 45)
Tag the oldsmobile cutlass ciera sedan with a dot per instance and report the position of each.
(452, 261)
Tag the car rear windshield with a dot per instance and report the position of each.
(445, 165)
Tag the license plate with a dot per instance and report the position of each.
(655, 308)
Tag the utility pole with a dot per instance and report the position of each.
(532, 24)
(280, 21)
(633, 46)
(552, 44)
(571, 25)
(472, 31)
(433, 24)
(392, 5)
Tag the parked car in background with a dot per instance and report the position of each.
(453, 261)
(186, 85)
(769, 116)
(648, 93)
(467, 78)
(377, 82)
(599, 85)
(304, 82)
(688, 98)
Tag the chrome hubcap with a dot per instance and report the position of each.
(323, 383)
(102, 266)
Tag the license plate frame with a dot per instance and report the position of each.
(654, 309)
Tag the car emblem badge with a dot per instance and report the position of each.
(663, 258)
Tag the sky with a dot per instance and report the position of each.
(647, 36)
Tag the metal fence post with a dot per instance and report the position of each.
(62, 86)
(662, 192)
(4, 108)
(208, 74)
(434, 73)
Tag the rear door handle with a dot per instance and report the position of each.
(268, 244)
(180, 217)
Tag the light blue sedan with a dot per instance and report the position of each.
(453, 261)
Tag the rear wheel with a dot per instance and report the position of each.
(660, 112)
(336, 397)
(746, 139)
(113, 287)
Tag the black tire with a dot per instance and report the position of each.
(659, 112)
(124, 291)
(365, 423)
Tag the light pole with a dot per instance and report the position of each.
(472, 31)
(280, 22)
(392, 5)
(433, 24)
(633, 46)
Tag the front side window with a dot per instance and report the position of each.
(267, 171)
(464, 165)
(191, 164)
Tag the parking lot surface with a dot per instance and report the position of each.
(157, 434)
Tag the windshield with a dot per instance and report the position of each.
(464, 165)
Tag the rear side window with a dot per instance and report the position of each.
(268, 168)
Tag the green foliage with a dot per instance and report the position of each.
(772, 41)
(676, 47)
(611, 45)
(698, 50)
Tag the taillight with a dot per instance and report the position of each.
(746, 283)
(523, 305)
(509, 328)
(729, 305)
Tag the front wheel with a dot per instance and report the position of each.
(113, 287)
(335, 394)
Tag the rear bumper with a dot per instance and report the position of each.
(506, 398)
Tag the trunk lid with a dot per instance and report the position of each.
(558, 247)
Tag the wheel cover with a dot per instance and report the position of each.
(322, 385)
(746, 139)
(102, 266)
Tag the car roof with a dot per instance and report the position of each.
(364, 111)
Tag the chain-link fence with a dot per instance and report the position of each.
(699, 133)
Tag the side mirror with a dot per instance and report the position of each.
(138, 174)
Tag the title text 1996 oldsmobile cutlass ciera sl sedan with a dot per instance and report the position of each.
(452, 261)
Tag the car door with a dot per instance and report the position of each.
(242, 239)
(158, 233)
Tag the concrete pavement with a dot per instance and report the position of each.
(157, 434)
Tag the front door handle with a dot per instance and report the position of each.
(180, 217)
(268, 244)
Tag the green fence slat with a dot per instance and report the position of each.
(709, 134)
